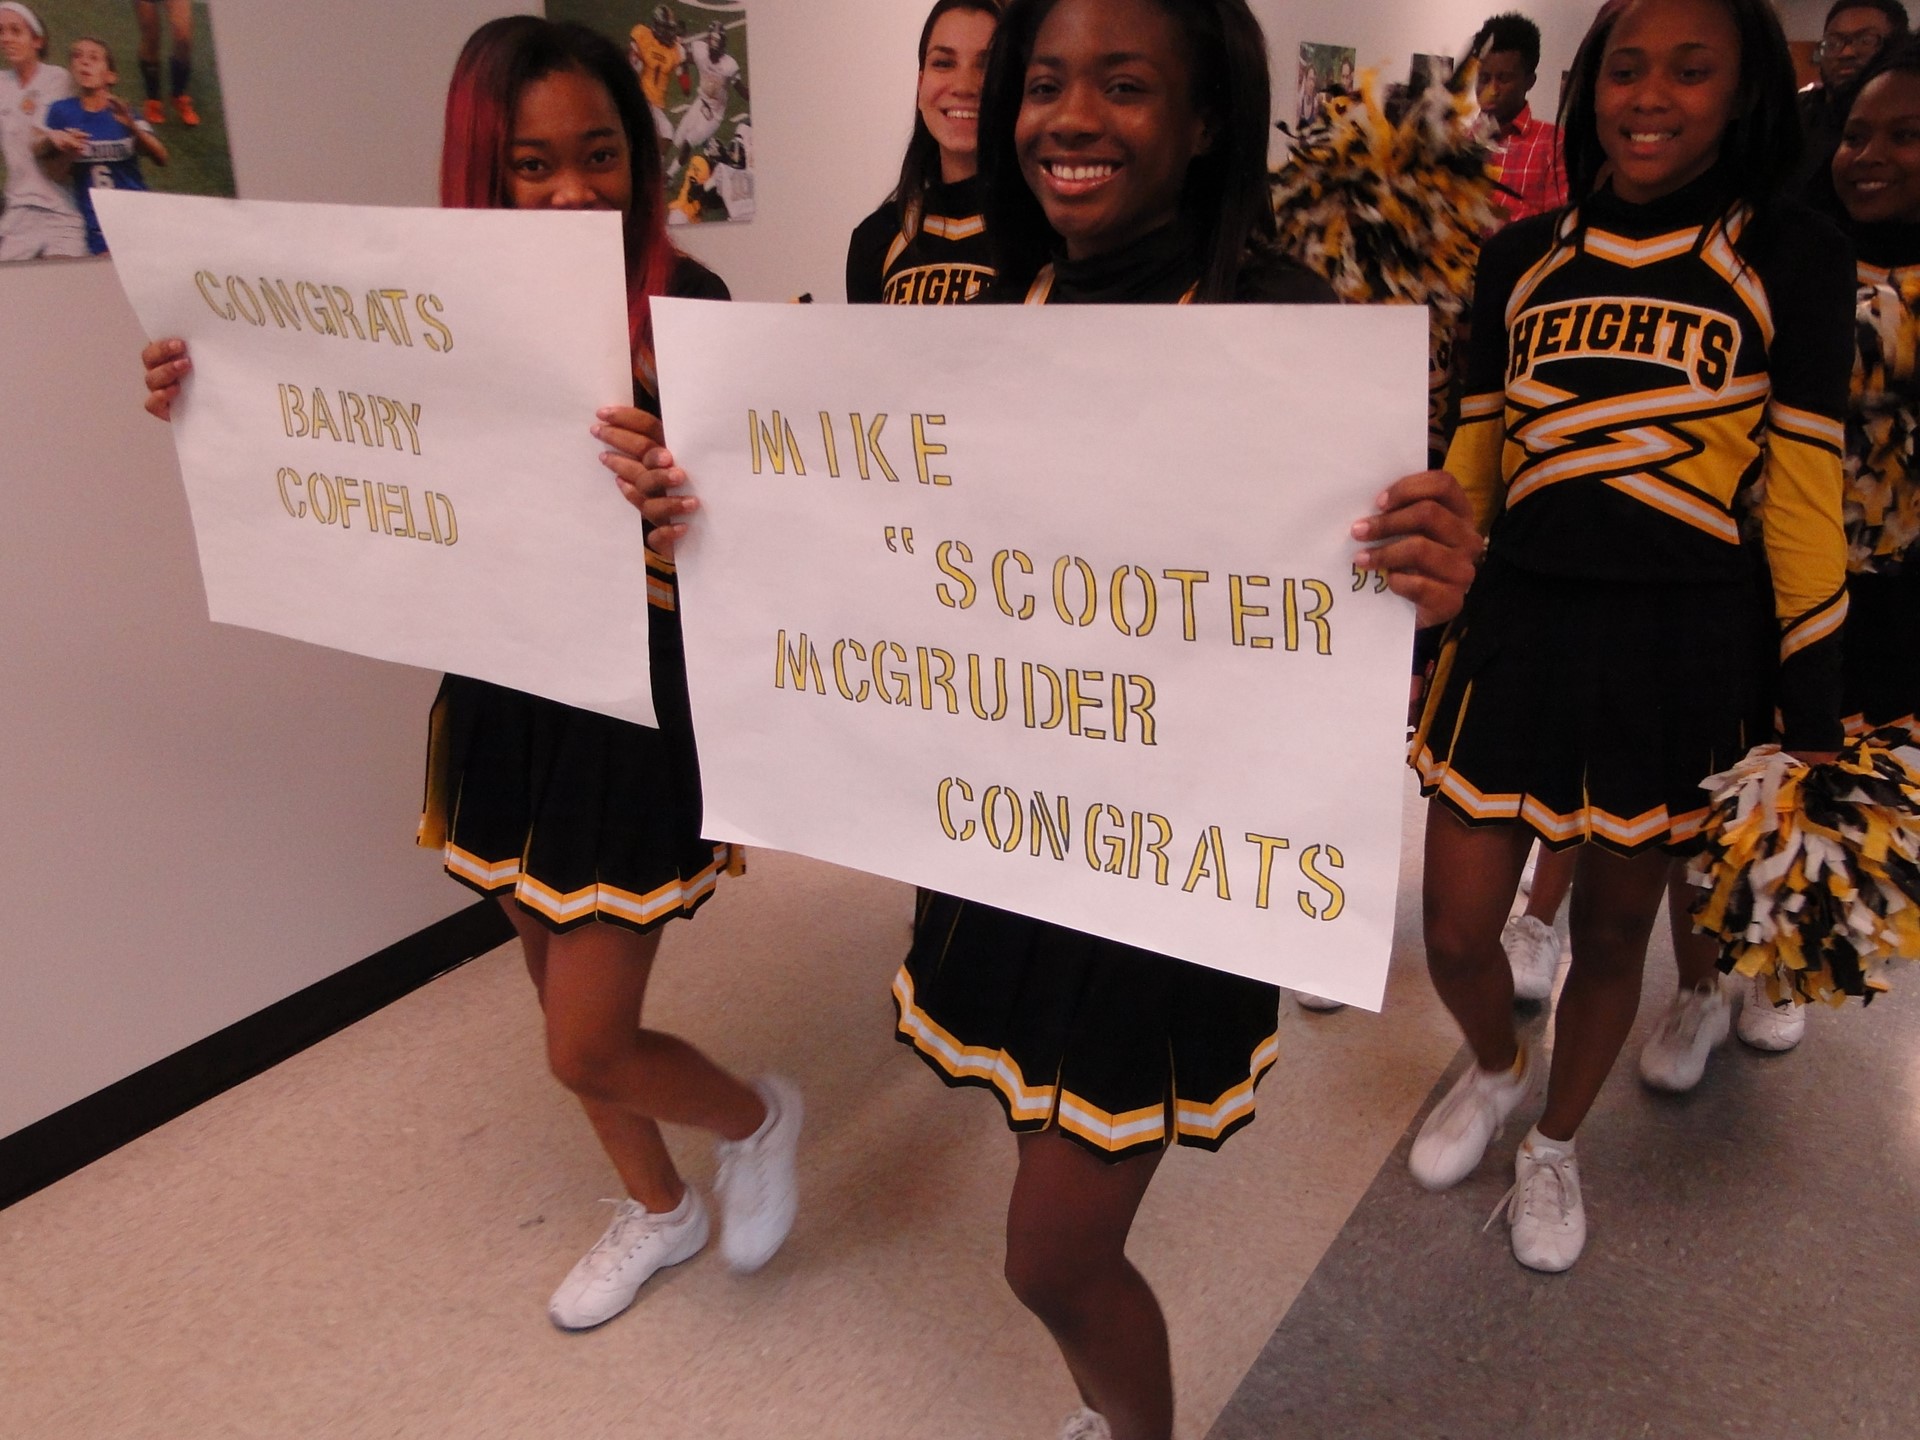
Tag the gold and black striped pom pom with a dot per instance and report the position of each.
(1391, 211)
(1812, 874)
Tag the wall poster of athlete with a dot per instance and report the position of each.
(102, 94)
(691, 57)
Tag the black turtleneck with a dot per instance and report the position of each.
(1163, 266)
(1886, 244)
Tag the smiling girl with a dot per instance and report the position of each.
(587, 828)
(927, 245)
(1876, 175)
(1667, 354)
(1123, 150)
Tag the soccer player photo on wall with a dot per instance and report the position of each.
(102, 95)
(691, 59)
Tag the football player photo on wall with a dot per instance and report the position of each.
(103, 95)
(691, 60)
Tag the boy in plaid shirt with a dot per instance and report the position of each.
(1508, 47)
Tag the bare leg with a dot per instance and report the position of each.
(1695, 956)
(1552, 877)
(1472, 872)
(592, 983)
(1067, 1230)
(1615, 901)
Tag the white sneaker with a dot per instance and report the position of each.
(636, 1245)
(755, 1184)
(1085, 1424)
(1766, 1026)
(1675, 1055)
(1455, 1136)
(1317, 1002)
(1533, 953)
(1544, 1209)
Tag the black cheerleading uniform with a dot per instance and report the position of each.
(1126, 1050)
(578, 816)
(1883, 488)
(941, 258)
(1642, 377)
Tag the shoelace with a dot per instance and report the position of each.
(1525, 1197)
(1686, 1018)
(630, 1221)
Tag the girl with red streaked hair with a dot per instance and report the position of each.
(585, 827)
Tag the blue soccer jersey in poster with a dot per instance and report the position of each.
(110, 161)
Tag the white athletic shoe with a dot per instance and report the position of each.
(1085, 1424)
(755, 1185)
(1675, 1055)
(1455, 1136)
(1319, 1003)
(1533, 953)
(1766, 1026)
(1548, 1220)
(636, 1245)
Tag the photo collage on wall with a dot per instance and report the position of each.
(103, 94)
(1324, 70)
(691, 57)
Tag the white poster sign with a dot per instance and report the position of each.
(385, 439)
(1054, 608)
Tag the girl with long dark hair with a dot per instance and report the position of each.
(1665, 356)
(1123, 150)
(926, 245)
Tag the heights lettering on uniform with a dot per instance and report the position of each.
(937, 284)
(1702, 343)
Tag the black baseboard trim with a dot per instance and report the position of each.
(53, 1148)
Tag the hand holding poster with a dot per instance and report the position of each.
(1054, 608)
(385, 437)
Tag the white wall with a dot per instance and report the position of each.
(195, 821)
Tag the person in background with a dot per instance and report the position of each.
(1876, 180)
(1508, 49)
(927, 243)
(1855, 35)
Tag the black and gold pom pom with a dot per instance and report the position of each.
(1882, 498)
(1393, 211)
(1812, 874)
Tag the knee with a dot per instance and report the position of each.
(1454, 946)
(1048, 1278)
(585, 1064)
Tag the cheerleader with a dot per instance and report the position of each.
(1876, 179)
(1640, 363)
(1123, 149)
(587, 828)
(927, 245)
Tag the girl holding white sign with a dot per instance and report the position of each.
(1647, 366)
(588, 828)
(1123, 150)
